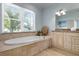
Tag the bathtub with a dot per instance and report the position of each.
(21, 40)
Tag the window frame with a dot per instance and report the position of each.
(21, 18)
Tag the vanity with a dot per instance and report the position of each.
(67, 41)
(66, 35)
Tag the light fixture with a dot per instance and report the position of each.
(58, 13)
(61, 12)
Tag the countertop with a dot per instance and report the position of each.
(66, 30)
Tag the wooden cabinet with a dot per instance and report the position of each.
(75, 44)
(67, 41)
(58, 40)
(71, 42)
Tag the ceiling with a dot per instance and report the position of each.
(42, 5)
(68, 6)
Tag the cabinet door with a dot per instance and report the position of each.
(54, 41)
(67, 41)
(58, 40)
(75, 44)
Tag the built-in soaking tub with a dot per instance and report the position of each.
(24, 46)
(23, 40)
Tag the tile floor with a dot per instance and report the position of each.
(54, 52)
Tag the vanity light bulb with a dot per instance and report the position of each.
(63, 12)
(58, 14)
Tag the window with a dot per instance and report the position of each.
(11, 18)
(17, 19)
(28, 21)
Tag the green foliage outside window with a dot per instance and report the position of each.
(11, 22)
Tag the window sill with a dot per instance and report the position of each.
(20, 32)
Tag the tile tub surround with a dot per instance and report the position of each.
(7, 47)
(31, 48)
(6, 36)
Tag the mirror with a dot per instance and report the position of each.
(69, 20)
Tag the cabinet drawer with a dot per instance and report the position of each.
(75, 40)
(75, 44)
(75, 48)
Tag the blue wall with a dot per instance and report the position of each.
(0, 18)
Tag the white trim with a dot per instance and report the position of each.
(31, 19)
(34, 22)
(21, 17)
(2, 18)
